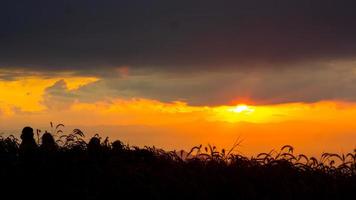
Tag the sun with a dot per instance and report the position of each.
(242, 108)
(237, 113)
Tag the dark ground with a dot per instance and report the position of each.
(115, 171)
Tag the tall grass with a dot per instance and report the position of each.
(119, 170)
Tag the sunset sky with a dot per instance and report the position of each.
(181, 73)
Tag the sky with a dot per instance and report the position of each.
(180, 73)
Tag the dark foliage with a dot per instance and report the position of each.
(104, 170)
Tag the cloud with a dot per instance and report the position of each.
(204, 53)
(310, 83)
(175, 35)
(58, 96)
(333, 81)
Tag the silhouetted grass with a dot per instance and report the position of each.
(116, 171)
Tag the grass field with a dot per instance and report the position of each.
(113, 170)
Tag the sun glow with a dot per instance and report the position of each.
(242, 108)
(314, 127)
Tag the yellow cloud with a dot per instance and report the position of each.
(26, 93)
(145, 111)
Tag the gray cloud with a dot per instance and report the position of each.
(173, 35)
(263, 86)
(333, 81)
(203, 52)
(58, 96)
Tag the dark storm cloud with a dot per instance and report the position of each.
(88, 35)
(202, 52)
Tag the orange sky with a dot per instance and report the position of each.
(311, 127)
(176, 74)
